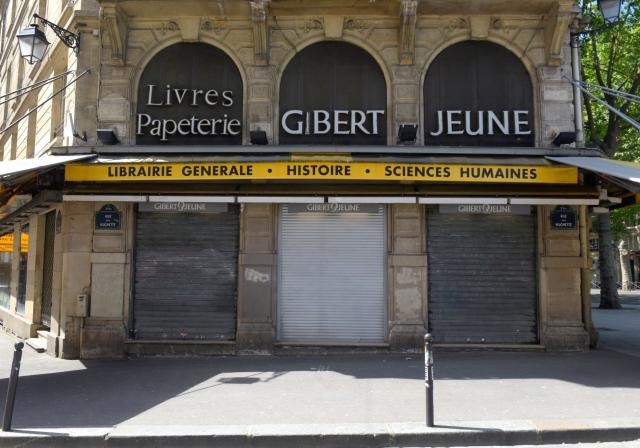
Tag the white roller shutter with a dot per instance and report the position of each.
(332, 270)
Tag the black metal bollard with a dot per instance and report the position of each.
(12, 387)
(428, 376)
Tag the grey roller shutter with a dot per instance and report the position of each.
(482, 278)
(332, 269)
(186, 275)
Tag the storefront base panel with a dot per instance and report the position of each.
(15, 324)
(566, 338)
(328, 350)
(255, 338)
(102, 339)
(407, 338)
(179, 348)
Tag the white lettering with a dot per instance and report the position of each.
(299, 129)
(520, 123)
(325, 122)
(227, 97)
(451, 122)
(211, 97)
(480, 129)
(150, 96)
(375, 114)
(338, 122)
(141, 124)
(440, 125)
(503, 126)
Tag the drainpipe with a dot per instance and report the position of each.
(577, 93)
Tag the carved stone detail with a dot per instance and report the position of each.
(168, 27)
(314, 24)
(213, 26)
(558, 19)
(115, 23)
(355, 24)
(407, 37)
(259, 12)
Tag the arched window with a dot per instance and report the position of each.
(190, 94)
(478, 94)
(333, 93)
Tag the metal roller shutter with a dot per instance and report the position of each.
(332, 269)
(186, 275)
(482, 278)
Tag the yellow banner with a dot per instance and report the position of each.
(6, 242)
(335, 171)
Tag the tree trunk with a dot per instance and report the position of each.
(608, 288)
(625, 267)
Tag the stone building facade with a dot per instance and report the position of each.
(79, 259)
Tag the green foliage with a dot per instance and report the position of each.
(611, 58)
(623, 218)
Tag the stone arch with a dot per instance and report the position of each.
(351, 42)
(499, 44)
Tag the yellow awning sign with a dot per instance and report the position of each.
(6, 242)
(334, 171)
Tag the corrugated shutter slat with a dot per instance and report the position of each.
(186, 275)
(332, 269)
(482, 278)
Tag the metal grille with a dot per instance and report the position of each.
(482, 278)
(186, 275)
(332, 269)
(47, 268)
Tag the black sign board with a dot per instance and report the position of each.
(478, 94)
(333, 93)
(108, 218)
(190, 94)
(564, 217)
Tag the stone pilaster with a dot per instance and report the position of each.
(561, 261)
(256, 283)
(407, 278)
(77, 233)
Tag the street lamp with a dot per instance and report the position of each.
(33, 43)
(610, 10)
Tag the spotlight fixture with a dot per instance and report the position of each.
(564, 138)
(407, 133)
(258, 137)
(107, 137)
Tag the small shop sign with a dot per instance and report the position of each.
(108, 218)
(182, 207)
(564, 217)
(333, 208)
(485, 209)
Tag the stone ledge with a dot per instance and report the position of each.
(12, 323)
(485, 433)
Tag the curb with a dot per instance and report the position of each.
(328, 436)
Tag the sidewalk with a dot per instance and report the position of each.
(490, 398)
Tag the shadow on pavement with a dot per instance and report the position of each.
(107, 393)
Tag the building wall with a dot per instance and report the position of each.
(116, 45)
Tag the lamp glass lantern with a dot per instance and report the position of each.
(610, 10)
(33, 43)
